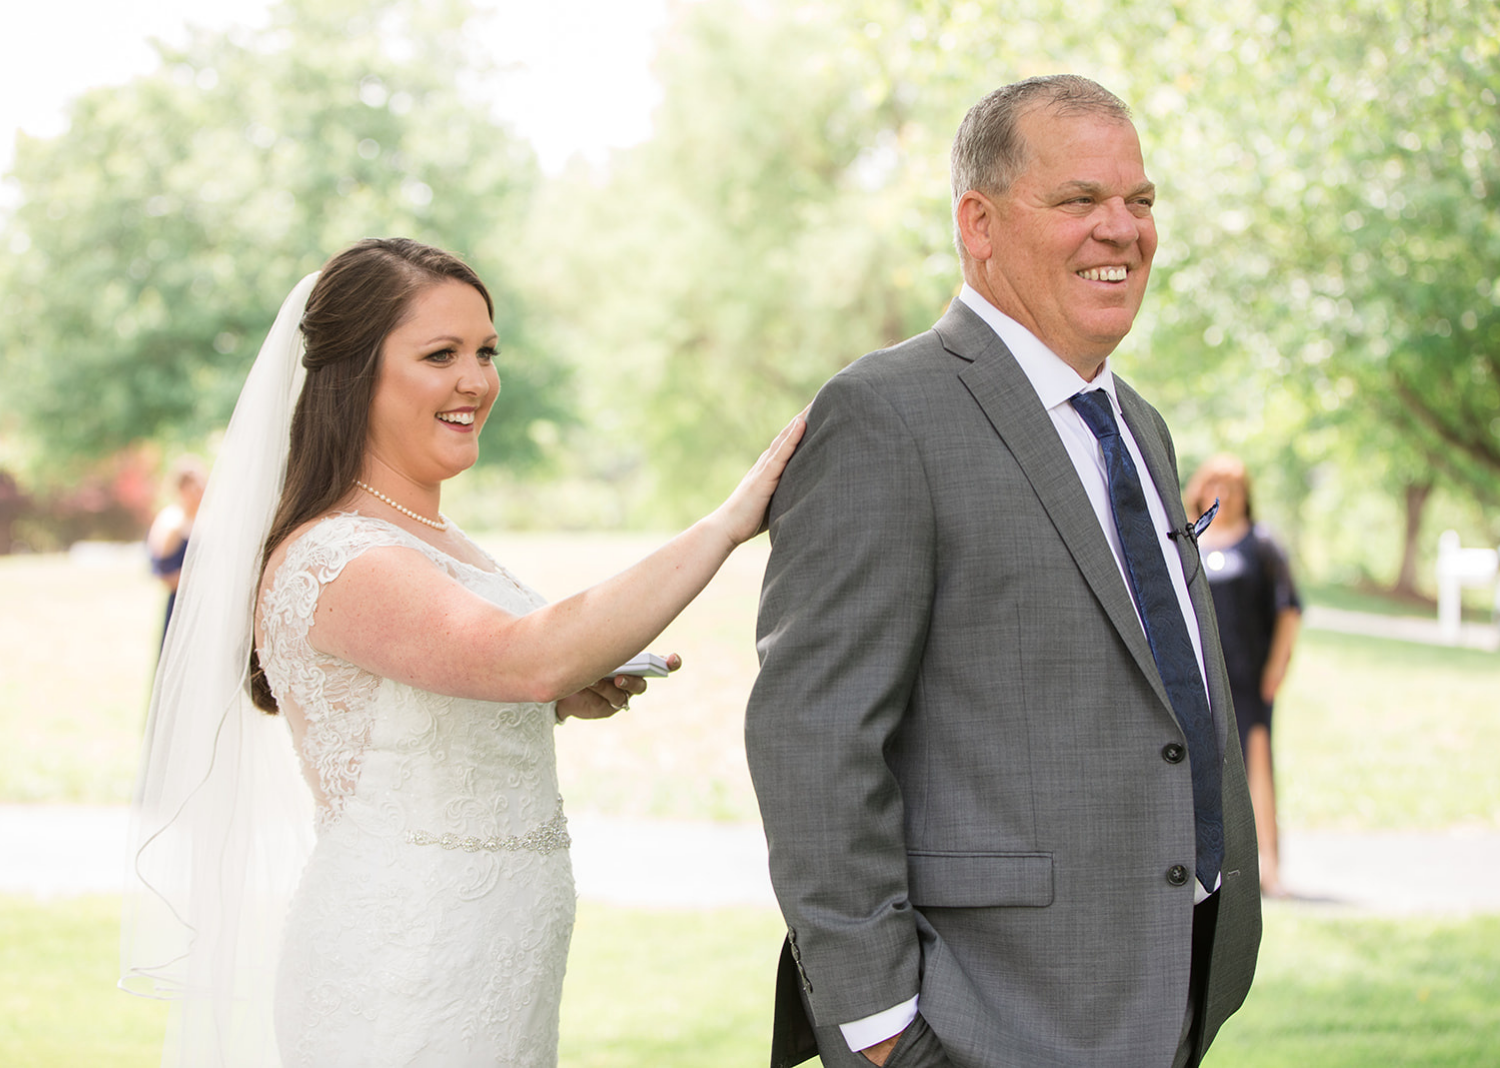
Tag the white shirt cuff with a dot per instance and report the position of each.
(872, 1030)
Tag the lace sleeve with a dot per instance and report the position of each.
(291, 598)
(327, 702)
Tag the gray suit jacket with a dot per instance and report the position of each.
(959, 738)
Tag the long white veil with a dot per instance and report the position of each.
(222, 820)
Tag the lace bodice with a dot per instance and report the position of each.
(432, 922)
(440, 750)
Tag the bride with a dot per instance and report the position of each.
(410, 901)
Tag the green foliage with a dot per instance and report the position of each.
(1327, 291)
(764, 238)
(1325, 297)
(1399, 281)
(1344, 246)
(157, 237)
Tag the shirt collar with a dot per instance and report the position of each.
(1054, 381)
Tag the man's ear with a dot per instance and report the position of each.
(976, 224)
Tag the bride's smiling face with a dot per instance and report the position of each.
(435, 385)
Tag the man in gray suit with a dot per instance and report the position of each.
(992, 737)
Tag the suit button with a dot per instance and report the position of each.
(1177, 875)
(1173, 753)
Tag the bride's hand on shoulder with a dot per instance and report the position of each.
(607, 696)
(744, 513)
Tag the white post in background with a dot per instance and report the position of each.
(1458, 567)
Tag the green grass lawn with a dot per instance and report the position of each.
(58, 1004)
(78, 645)
(686, 989)
(1370, 734)
(1356, 992)
(1478, 604)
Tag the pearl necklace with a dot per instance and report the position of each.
(373, 492)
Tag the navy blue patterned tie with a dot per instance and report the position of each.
(1166, 630)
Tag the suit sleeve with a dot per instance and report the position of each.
(843, 620)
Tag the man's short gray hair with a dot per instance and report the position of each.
(989, 152)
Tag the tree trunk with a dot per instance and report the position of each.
(1416, 503)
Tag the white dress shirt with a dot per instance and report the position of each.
(1056, 383)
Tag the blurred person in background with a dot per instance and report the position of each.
(167, 541)
(1259, 616)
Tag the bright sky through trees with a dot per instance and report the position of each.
(580, 79)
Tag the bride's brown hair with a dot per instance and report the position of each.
(361, 295)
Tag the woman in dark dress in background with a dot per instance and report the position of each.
(1259, 614)
(168, 540)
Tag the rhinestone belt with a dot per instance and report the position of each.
(547, 838)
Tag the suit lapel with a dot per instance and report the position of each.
(1010, 404)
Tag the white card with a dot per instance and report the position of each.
(647, 665)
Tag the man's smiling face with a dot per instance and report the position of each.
(1071, 241)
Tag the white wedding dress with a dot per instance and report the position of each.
(431, 925)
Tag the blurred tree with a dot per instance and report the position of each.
(792, 210)
(1402, 264)
(767, 234)
(1326, 299)
(1343, 254)
(156, 238)
(1324, 302)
